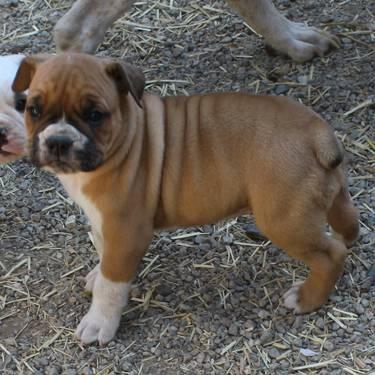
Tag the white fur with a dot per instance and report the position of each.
(291, 297)
(74, 184)
(10, 119)
(302, 42)
(91, 277)
(102, 320)
(60, 128)
(9, 66)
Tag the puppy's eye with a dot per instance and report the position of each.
(20, 103)
(95, 117)
(34, 111)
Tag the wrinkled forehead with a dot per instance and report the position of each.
(70, 80)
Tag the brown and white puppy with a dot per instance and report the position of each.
(136, 162)
(83, 28)
(12, 129)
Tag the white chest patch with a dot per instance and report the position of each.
(74, 184)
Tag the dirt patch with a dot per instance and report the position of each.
(207, 300)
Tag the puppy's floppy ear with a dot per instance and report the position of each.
(26, 71)
(127, 78)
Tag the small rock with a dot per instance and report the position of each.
(200, 357)
(274, 353)
(70, 222)
(226, 39)
(200, 239)
(53, 371)
(72, 300)
(249, 325)
(359, 309)
(204, 246)
(320, 323)
(43, 361)
(346, 41)
(304, 80)
(266, 336)
(86, 371)
(233, 330)
(35, 218)
(228, 239)
(329, 346)
(281, 89)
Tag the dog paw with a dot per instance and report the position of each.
(96, 326)
(302, 42)
(90, 278)
(292, 298)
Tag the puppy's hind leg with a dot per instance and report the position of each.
(326, 262)
(300, 231)
(343, 217)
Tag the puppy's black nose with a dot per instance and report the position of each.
(59, 145)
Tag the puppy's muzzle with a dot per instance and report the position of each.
(64, 149)
(59, 145)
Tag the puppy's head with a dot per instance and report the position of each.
(12, 129)
(76, 109)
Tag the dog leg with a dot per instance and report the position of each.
(82, 29)
(343, 217)
(103, 318)
(91, 276)
(297, 224)
(124, 246)
(326, 263)
(297, 40)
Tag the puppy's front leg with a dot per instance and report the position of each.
(297, 40)
(83, 28)
(97, 240)
(124, 246)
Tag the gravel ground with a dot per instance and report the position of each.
(206, 300)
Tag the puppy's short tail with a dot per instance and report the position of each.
(328, 150)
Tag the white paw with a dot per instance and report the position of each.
(91, 277)
(96, 326)
(302, 42)
(108, 300)
(291, 298)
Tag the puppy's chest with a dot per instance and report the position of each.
(74, 185)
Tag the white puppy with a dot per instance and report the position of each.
(12, 105)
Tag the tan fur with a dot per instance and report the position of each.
(181, 161)
(83, 27)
